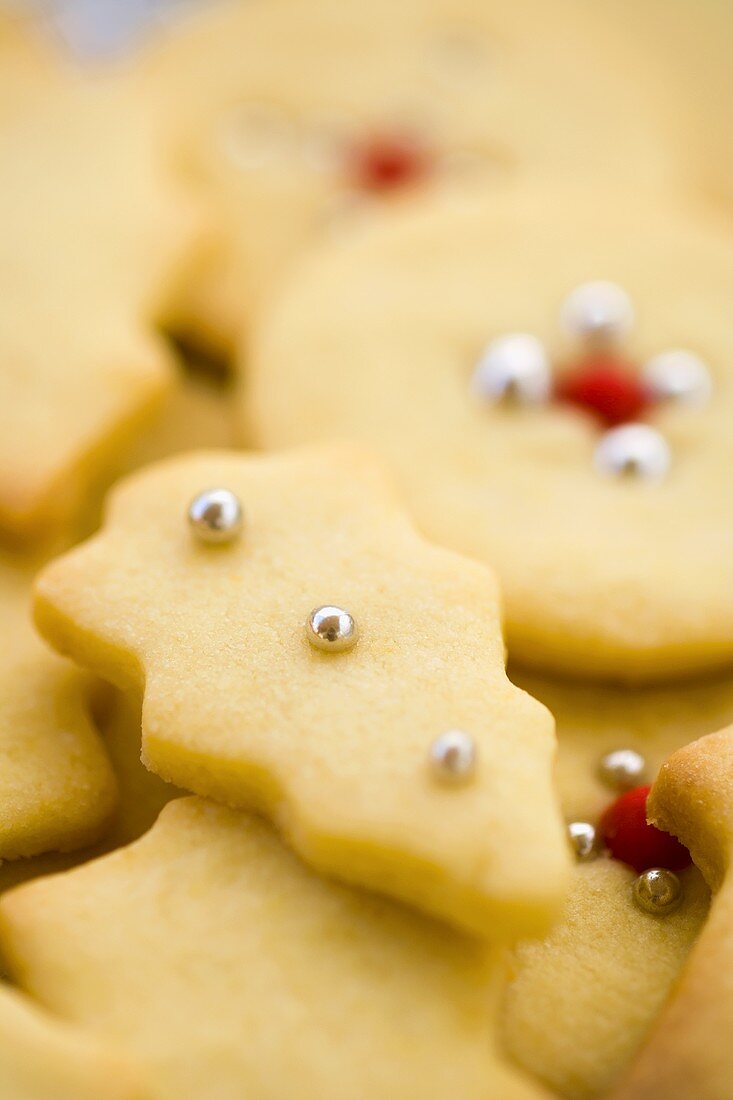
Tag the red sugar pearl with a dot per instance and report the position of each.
(606, 386)
(386, 163)
(625, 832)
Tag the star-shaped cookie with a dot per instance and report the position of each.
(403, 759)
(96, 234)
(291, 116)
(226, 967)
(57, 789)
(42, 1059)
(688, 1051)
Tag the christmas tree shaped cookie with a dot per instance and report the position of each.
(291, 116)
(688, 1051)
(305, 653)
(213, 956)
(95, 234)
(553, 390)
(41, 1059)
(57, 789)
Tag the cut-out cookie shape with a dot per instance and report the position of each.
(338, 747)
(688, 1052)
(294, 115)
(607, 570)
(42, 1059)
(57, 789)
(580, 1002)
(95, 235)
(241, 973)
(141, 793)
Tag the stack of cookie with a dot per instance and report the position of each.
(394, 341)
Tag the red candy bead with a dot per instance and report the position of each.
(625, 832)
(607, 387)
(386, 163)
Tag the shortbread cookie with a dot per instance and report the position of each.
(688, 1053)
(291, 113)
(41, 1059)
(212, 955)
(486, 345)
(141, 794)
(581, 1001)
(618, 964)
(94, 239)
(57, 789)
(611, 738)
(325, 665)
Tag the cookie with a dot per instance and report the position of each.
(141, 795)
(57, 789)
(96, 235)
(552, 390)
(291, 115)
(688, 1053)
(198, 412)
(276, 959)
(619, 965)
(611, 739)
(41, 1059)
(326, 666)
(580, 1002)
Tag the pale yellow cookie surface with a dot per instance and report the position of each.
(265, 102)
(141, 794)
(378, 338)
(95, 234)
(42, 1059)
(57, 789)
(212, 955)
(333, 746)
(688, 1053)
(581, 1002)
(593, 720)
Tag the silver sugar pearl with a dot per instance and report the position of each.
(633, 450)
(215, 516)
(657, 891)
(513, 368)
(583, 840)
(331, 629)
(452, 757)
(622, 769)
(678, 375)
(598, 312)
